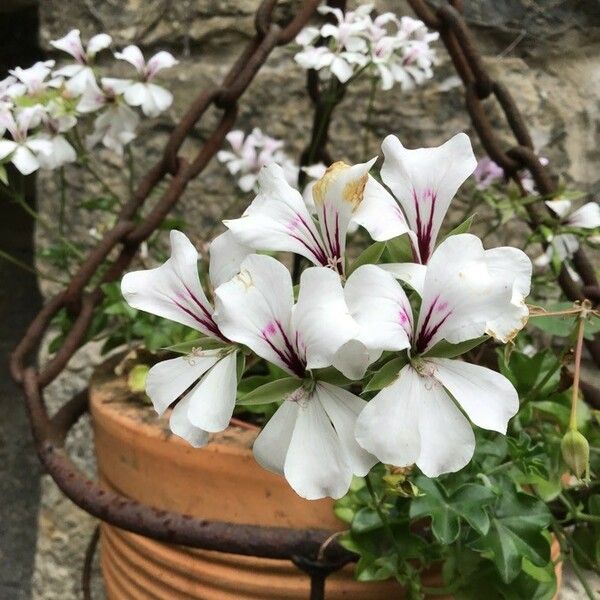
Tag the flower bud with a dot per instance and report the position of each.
(576, 452)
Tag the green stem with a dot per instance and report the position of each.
(575, 394)
(22, 265)
(382, 515)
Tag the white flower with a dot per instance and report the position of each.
(310, 439)
(424, 181)
(565, 245)
(117, 123)
(152, 98)
(250, 153)
(32, 81)
(23, 151)
(205, 381)
(278, 218)
(393, 50)
(80, 74)
(466, 292)
(314, 173)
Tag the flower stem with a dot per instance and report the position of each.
(62, 184)
(386, 524)
(578, 352)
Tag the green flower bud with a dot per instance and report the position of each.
(576, 452)
(136, 380)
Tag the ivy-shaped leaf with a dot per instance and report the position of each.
(515, 533)
(468, 502)
(386, 375)
(274, 391)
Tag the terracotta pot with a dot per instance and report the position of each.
(139, 457)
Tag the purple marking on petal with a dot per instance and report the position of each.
(424, 231)
(288, 354)
(428, 328)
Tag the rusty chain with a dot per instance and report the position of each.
(127, 235)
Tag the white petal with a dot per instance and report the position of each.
(379, 305)
(133, 55)
(80, 81)
(161, 60)
(226, 256)
(379, 213)
(415, 421)
(138, 94)
(353, 358)
(343, 408)
(213, 400)
(337, 195)
(411, 273)
(424, 181)
(71, 44)
(98, 42)
(157, 100)
(469, 292)
(560, 208)
(315, 464)
(341, 69)
(6, 147)
(564, 245)
(271, 446)
(488, 398)
(24, 160)
(254, 308)
(278, 220)
(168, 379)
(320, 319)
(588, 216)
(388, 425)
(181, 426)
(173, 290)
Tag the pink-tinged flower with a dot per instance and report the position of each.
(278, 218)
(424, 181)
(152, 98)
(32, 81)
(466, 292)
(487, 173)
(80, 74)
(249, 153)
(23, 151)
(205, 381)
(117, 123)
(310, 439)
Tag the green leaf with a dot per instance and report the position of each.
(516, 532)
(399, 249)
(386, 375)
(444, 349)
(331, 375)
(464, 227)
(539, 373)
(275, 391)
(468, 502)
(3, 175)
(369, 256)
(564, 326)
(240, 365)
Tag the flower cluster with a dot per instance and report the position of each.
(390, 49)
(411, 320)
(42, 108)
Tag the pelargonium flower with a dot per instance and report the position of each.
(32, 81)
(249, 153)
(23, 151)
(152, 98)
(278, 218)
(310, 439)
(424, 181)
(117, 123)
(80, 74)
(466, 292)
(487, 172)
(205, 381)
(564, 245)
